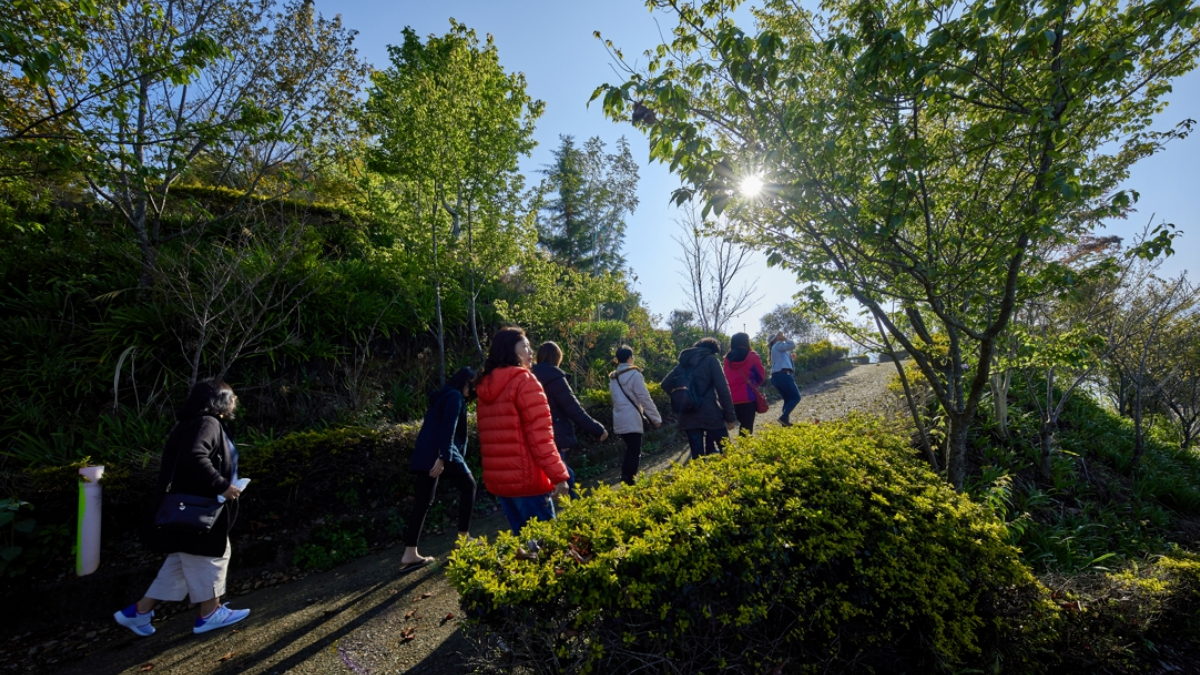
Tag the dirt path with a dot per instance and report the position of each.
(362, 617)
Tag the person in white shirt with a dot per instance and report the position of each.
(631, 403)
(783, 375)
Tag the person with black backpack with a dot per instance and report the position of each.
(700, 397)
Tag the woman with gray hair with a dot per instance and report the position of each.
(199, 461)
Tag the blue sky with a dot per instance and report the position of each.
(552, 43)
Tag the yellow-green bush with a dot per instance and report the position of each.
(1110, 619)
(820, 545)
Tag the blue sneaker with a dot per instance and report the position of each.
(135, 621)
(220, 618)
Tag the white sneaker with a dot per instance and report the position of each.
(220, 618)
(135, 621)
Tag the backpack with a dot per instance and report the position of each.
(685, 398)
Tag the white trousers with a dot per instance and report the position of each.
(196, 576)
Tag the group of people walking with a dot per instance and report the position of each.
(527, 417)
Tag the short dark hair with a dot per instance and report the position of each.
(502, 352)
(709, 343)
(461, 378)
(550, 353)
(624, 353)
(209, 397)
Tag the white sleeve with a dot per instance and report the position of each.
(643, 395)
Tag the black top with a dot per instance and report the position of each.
(708, 377)
(198, 454)
(443, 432)
(564, 407)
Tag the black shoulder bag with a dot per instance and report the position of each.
(181, 512)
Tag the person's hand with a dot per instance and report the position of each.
(438, 467)
(561, 490)
(604, 436)
(231, 492)
(729, 425)
(656, 424)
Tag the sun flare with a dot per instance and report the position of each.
(751, 186)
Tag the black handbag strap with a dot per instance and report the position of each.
(637, 407)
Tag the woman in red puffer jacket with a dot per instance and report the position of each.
(521, 464)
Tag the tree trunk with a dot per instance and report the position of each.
(437, 299)
(956, 449)
(1046, 440)
(1000, 401)
(930, 455)
(479, 355)
(1139, 437)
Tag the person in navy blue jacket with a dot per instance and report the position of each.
(441, 445)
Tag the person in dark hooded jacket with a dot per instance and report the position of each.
(564, 407)
(439, 450)
(708, 424)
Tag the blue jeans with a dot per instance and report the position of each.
(706, 441)
(520, 510)
(786, 384)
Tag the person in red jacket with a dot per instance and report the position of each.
(745, 373)
(521, 464)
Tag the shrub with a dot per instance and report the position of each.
(815, 355)
(825, 545)
(1121, 619)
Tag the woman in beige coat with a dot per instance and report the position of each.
(631, 404)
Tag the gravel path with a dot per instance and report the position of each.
(363, 618)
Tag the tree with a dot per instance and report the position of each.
(232, 294)
(791, 320)
(589, 192)
(1143, 361)
(711, 267)
(915, 153)
(1060, 340)
(1179, 388)
(225, 92)
(451, 124)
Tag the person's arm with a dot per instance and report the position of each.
(723, 395)
(758, 374)
(573, 409)
(668, 382)
(208, 436)
(538, 425)
(448, 424)
(642, 394)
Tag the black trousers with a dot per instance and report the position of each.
(633, 457)
(706, 441)
(458, 474)
(745, 415)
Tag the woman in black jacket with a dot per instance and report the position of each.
(199, 459)
(699, 368)
(440, 450)
(565, 409)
